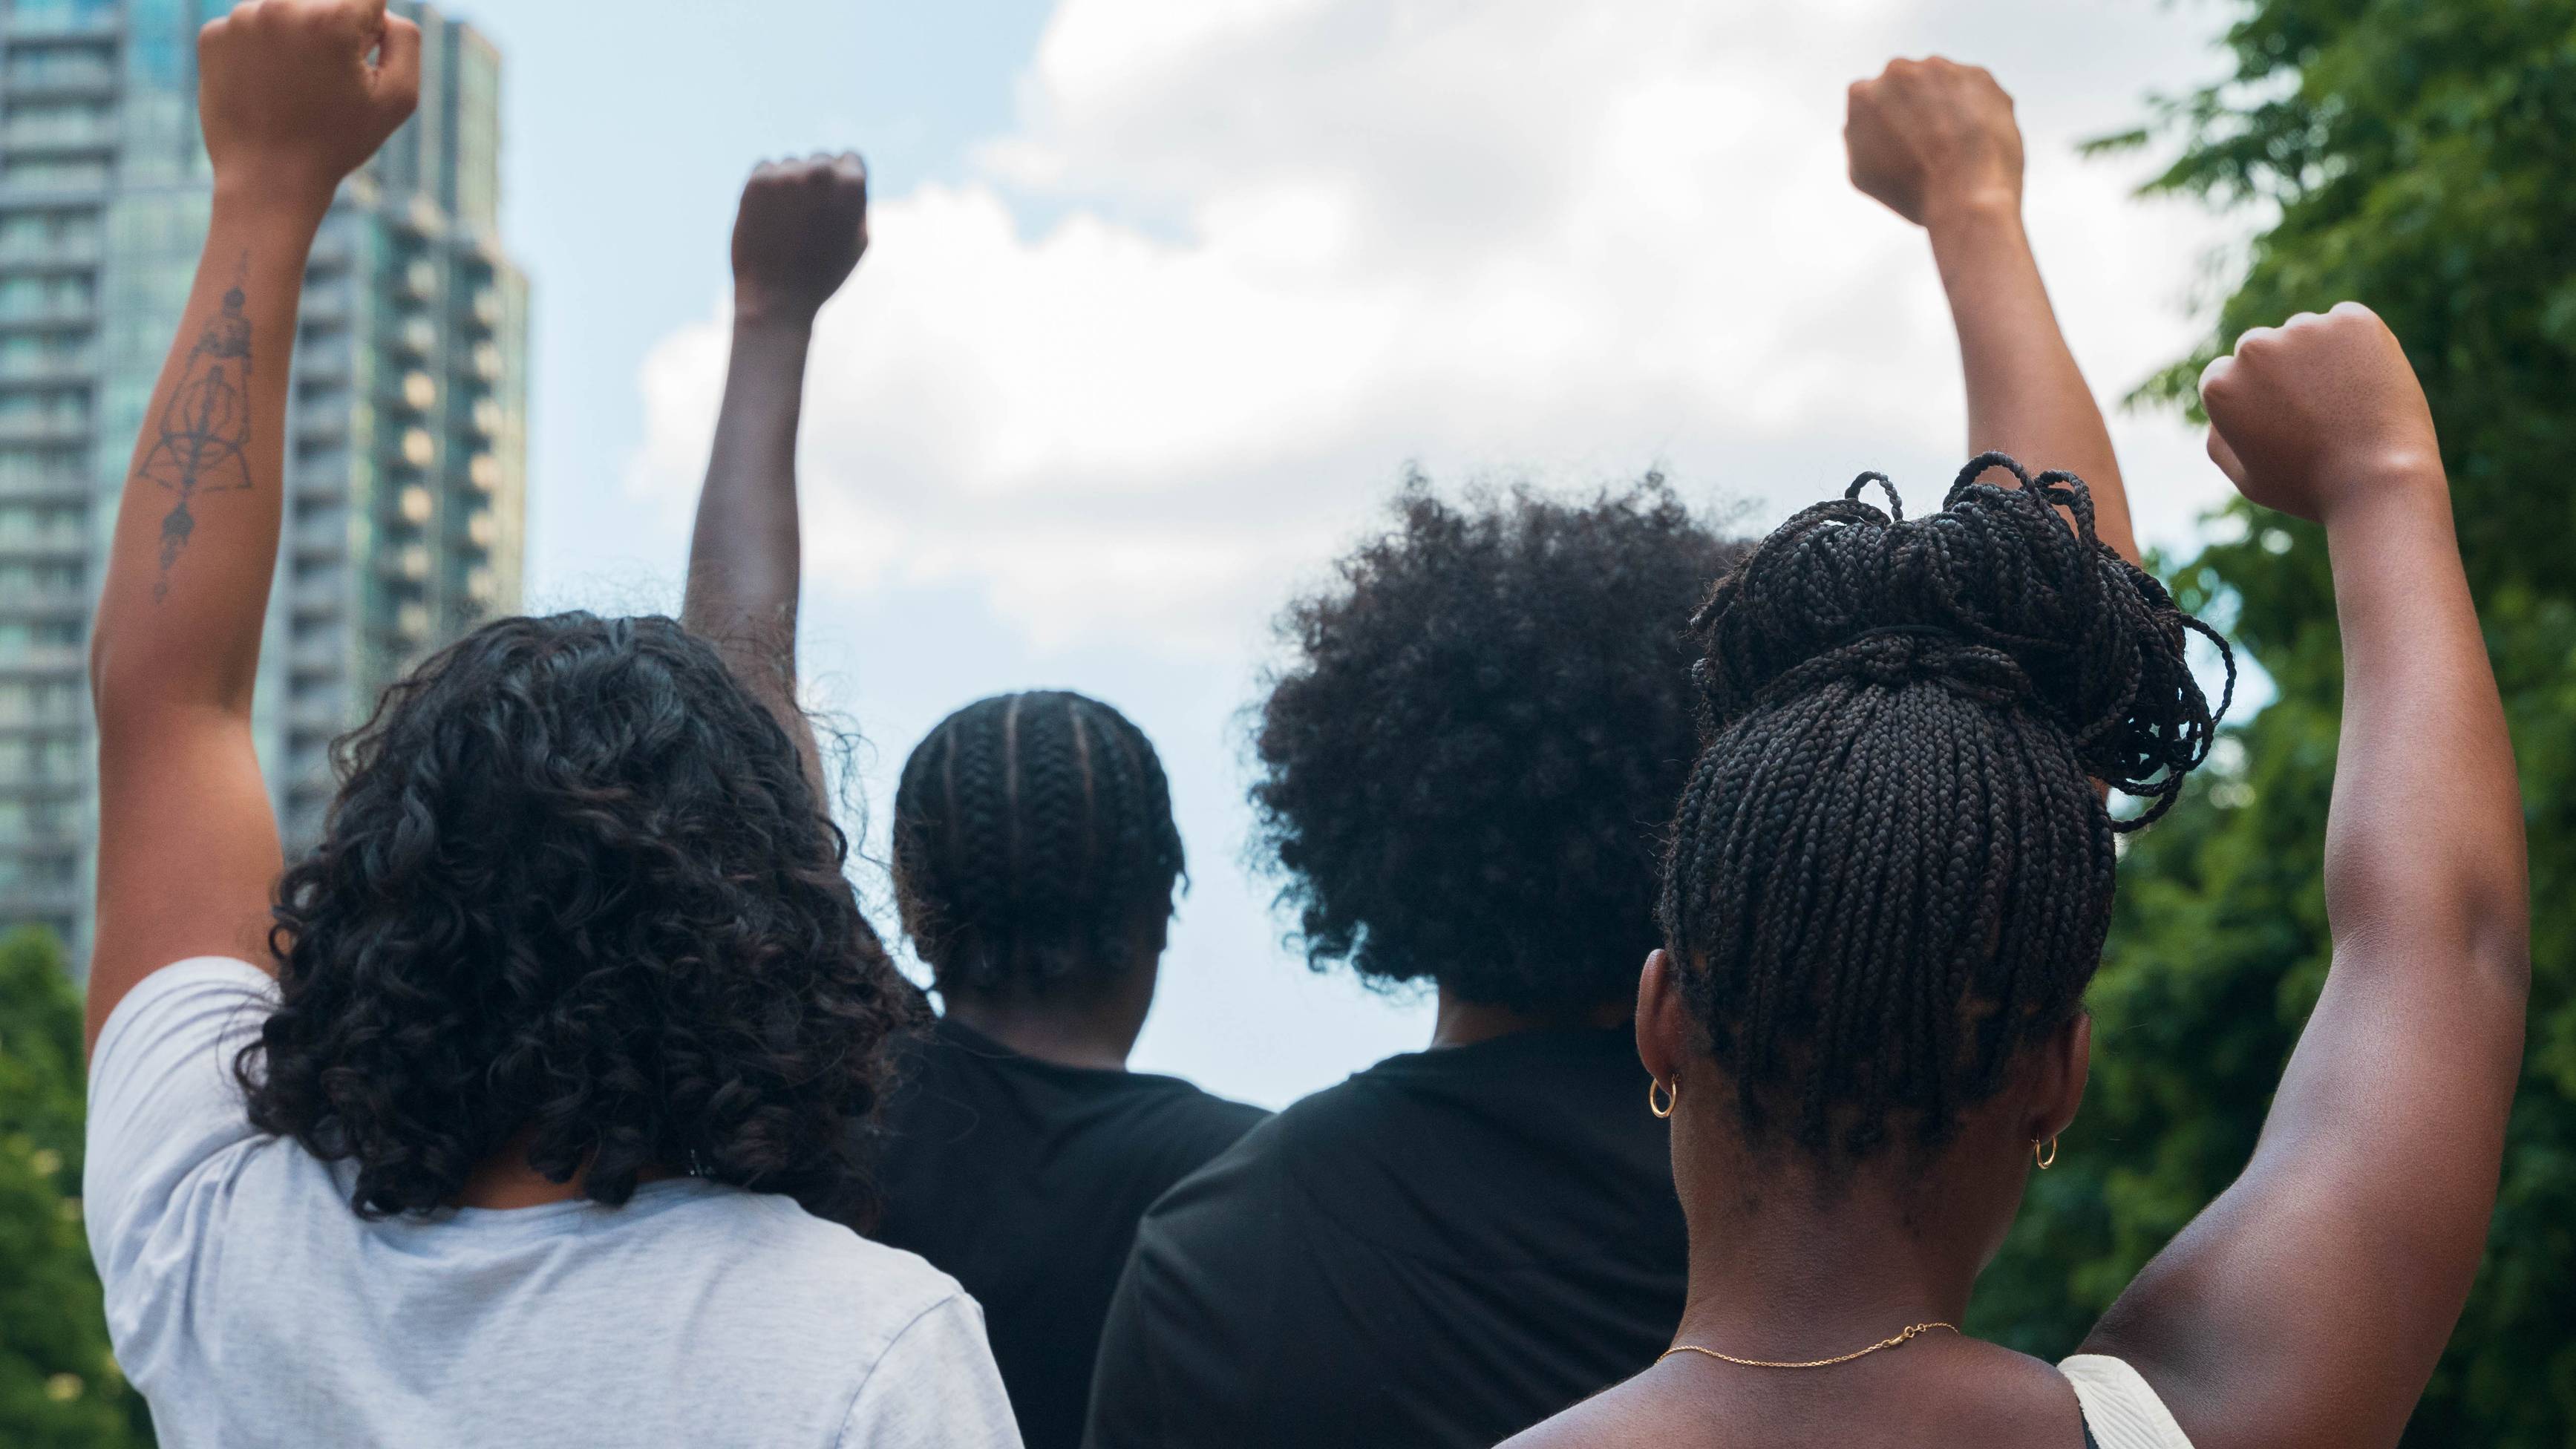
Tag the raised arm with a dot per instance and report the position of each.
(1937, 143)
(293, 95)
(801, 230)
(2307, 1305)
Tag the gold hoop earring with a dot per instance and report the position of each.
(1660, 1099)
(2043, 1155)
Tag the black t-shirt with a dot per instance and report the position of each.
(1441, 1251)
(1023, 1180)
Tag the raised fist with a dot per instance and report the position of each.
(2318, 410)
(801, 230)
(295, 94)
(1931, 135)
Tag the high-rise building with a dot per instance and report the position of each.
(405, 464)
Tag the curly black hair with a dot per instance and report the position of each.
(1033, 844)
(1469, 759)
(577, 890)
(1891, 871)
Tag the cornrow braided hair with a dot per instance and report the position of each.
(1033, 843)
(1890, 870)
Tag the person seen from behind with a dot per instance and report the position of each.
(1889, 884)
(1035, 856)
(1460, 763)
(522, 1109)
(1463, 767)
(1035, 859)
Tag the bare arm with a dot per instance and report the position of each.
(2307, 1305)
(800, 232)
(1937, 143)
(188, 850)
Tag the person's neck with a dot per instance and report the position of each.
(1461, 1022)
(504, 1180)
(1097, 1030)
(1787, 1266)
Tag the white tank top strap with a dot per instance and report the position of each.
(2121, 1409)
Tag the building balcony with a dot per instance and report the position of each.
(37, 903)
(45, 429)
(316, 486)
(68, 545)
(45, 488)
(49, 22)
(420, 217)
(321, 545)
(45, 835)
(319, 716)
(331, 362)
(51, 254)
(34, 371)
(49, 660)
(53, 193)
(58, 137)
(42, 784)
(320, 599)
(62, 81)
(311, 660)
(61, 314)
(42, 719)
(44, 601)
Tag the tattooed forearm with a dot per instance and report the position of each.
(202, 436)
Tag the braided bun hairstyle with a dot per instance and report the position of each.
(1033, 844)
(1890, 870)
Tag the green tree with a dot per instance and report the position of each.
(59, 1388)
(2419, 157)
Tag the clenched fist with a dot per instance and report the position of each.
(1931, 135)
(802, 228)
(293, 95)
(2319, 410)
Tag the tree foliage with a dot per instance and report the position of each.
(2421, 158)
(59, 1387)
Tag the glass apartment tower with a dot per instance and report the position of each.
(406, 454)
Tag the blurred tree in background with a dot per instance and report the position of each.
(59, 1389)
(2420, 157)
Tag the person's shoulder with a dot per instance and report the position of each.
(1210, 1123)
(1364, 1105)
(1266, 1158)
(776, 1252)
(1623, 1414)
(2008, 1398)
(210, 997)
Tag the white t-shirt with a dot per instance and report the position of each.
(253, 1307)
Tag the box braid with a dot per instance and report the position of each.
(1890, 870)
(1033, 844)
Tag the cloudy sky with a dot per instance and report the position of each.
(1165, 296)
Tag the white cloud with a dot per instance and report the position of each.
(1242, 261)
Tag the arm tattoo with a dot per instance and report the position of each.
(204, 430)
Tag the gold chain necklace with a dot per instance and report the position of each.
(1813, 1363)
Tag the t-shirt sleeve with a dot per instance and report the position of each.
(1181, 1357)
(1125, 1410)
(162, 1105)
(935, 1385)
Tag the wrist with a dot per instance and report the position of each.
(2376, 487)
(1978, 209)
(280, 191)
(768, 309)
